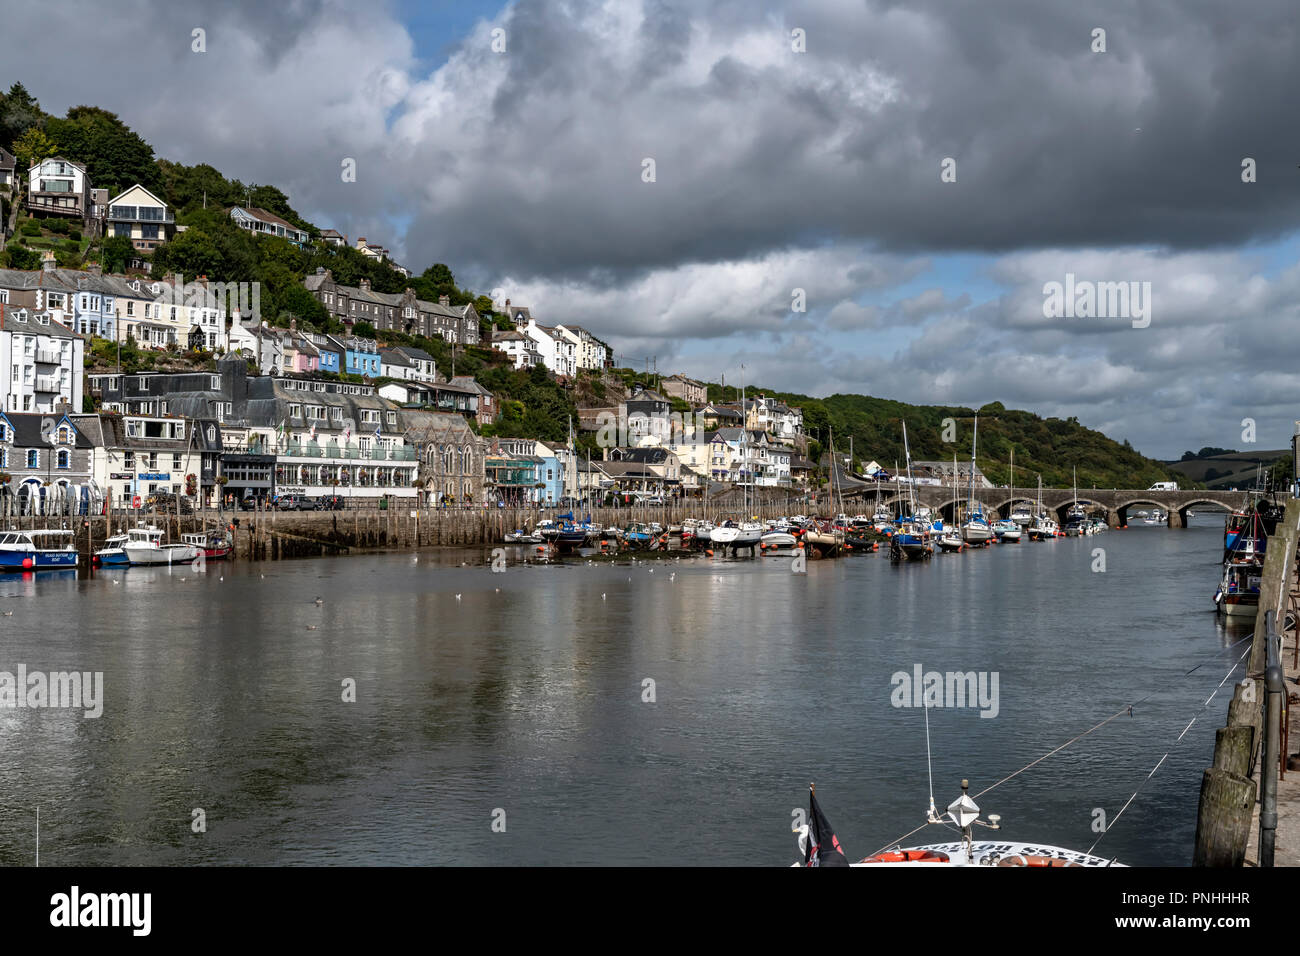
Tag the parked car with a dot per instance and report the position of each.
(331, 503)
(248, 503)
(295, 503)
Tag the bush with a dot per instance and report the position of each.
(74, 234)
(30, 228)
(57, 226)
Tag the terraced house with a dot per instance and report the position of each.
(41, 362)
(326, 437)
(51, 463)
(458, 324)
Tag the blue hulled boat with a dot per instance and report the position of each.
(37, 550)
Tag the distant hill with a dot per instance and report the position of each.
(1234, 469)
(1050, 447)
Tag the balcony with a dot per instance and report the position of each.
(66, 204)
(144, 214)
(47, 357)
(47, 384)
(350, 452)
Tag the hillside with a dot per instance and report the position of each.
(1043, 446)
(1234, 469)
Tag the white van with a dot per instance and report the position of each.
(1164, 486)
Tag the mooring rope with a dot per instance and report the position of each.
(1195, 717)
(1126, 709)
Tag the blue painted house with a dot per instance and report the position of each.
(331, 352)
(360, 355)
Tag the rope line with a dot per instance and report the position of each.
(1126, 709)
(1111, 825)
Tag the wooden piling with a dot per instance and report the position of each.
(1223, 819)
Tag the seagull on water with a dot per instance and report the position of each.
(319, 602)
(457, 597)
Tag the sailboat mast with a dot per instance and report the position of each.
(970, 507)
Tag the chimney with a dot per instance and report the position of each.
(234, 319)
(365, 285)
(444, 300)
(48, 262)
(293, 324)
(95, 269)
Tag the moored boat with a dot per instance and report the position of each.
(144, 547)
(37, 550)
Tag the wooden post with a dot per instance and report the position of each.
(1243, 712)
(1223, 819)
(1232, 749)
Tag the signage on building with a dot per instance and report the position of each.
(121, 476)
(156, 476)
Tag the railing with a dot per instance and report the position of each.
(47, 357)
(54, 201)
(348, 453)
(45, 383)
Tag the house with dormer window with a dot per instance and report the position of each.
(51, 462)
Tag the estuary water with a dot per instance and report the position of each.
(508, 718)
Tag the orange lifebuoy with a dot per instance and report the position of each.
(908, 856)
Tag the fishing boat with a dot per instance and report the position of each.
(214, 545)
(144, 547)
(1021, 515)
(639, 535)
(37, 550)
(1154, 517)
(818, 845)
(520, 536)
(1238, 591)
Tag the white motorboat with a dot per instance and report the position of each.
(779, 539)
(144, 546)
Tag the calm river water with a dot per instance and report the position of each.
(523, 692)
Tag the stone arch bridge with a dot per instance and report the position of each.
(1114, 504)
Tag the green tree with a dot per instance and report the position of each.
(19, 112)
(33, 146)
(21, 258)
(115, 156)
(115, 252)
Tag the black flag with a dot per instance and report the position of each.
(823, 848)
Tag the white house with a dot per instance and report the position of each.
(557, 351)
(59, 187)
(590, 352)
(521, 348)
(41, 362)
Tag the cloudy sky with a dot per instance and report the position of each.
(795, 146)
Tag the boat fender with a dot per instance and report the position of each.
(1020, 859)
(908, 856)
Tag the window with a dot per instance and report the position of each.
(215, 382)
(176, 462)
(33, 458)
(128, 460)
(130, 307)
(392, 418)
(4, 434)
(295, 411)
(65, 458)
(336, 413)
